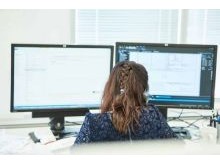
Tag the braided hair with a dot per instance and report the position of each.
(124, 95)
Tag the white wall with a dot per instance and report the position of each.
(28, 26)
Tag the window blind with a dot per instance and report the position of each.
(109, 26)
(198, 26)
(203, 27)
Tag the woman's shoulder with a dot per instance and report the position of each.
(151, 111)
(151, 107)
(98, 121)
(97, 117)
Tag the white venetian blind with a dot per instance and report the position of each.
(203, 27)
(109, 26)
(198, 26)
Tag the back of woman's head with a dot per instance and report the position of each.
(124, 95)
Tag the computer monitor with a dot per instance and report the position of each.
(180, 75)
(58, 80)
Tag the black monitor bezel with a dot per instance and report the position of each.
(53, 112)
(117, 44)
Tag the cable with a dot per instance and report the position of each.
(187, 112)
(175, 118)
(189, 124)
(193, 123)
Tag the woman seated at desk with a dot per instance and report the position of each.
(125, 113)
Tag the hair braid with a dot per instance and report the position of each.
(123, 95)
(123, 76)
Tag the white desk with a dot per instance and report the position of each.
(20, 143)
(17, 141)
(203, 142)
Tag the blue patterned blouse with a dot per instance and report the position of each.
(99, 128)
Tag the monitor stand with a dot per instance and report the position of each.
(163, 111)
(181, 132)
(57, 122)
(57, 126)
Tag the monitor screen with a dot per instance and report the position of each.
(180, 76)
(58, 77)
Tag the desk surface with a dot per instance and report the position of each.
(17, 141)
